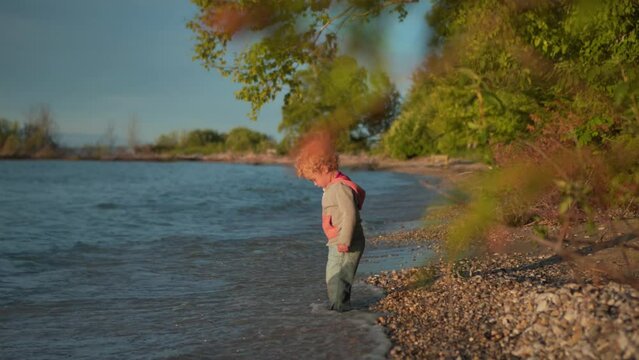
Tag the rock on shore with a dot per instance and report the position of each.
(507, 306)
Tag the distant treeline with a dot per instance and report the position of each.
(206, 141)
(33, 138)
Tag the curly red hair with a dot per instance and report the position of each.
(315, 155)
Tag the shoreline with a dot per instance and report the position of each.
(434, 165)
(509, 304)
(521, 301)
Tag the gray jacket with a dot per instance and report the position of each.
(339, 207)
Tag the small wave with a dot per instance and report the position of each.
(84, 248)
(321, 309)
(107, 206)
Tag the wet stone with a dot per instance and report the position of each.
(501, 313)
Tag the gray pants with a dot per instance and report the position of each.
(340, 273)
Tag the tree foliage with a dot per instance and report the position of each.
(455, 114)
(342, 96)
(501, 71)
(35, 137)
(242, 140)
(298, 47)
(548, 92)
(203, 137)
(287, 36)
(207, 141)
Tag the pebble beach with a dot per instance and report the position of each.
(514, 306)
(521, 302)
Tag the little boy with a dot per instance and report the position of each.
(341, 202)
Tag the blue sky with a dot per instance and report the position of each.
(98, 62)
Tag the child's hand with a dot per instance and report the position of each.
(342, 248)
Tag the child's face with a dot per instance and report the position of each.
(321, 179)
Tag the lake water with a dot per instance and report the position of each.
(143, 260)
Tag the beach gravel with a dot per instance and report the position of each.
(519, 302)
(507, 306)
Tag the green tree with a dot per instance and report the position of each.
(548, 90)
(11, 146)
(200, 141)
(242, 140)
(8, 129)
(456, 114)
(340, 95)
(287, 37)
(504, 71)
(166, 142)
(202, 137)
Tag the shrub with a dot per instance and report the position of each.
(241, 140)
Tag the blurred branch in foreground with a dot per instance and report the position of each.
(558, 194)
(283, 38)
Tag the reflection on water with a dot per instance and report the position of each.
(180, 260)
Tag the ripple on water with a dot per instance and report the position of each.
(107, 206)
(148, 260)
